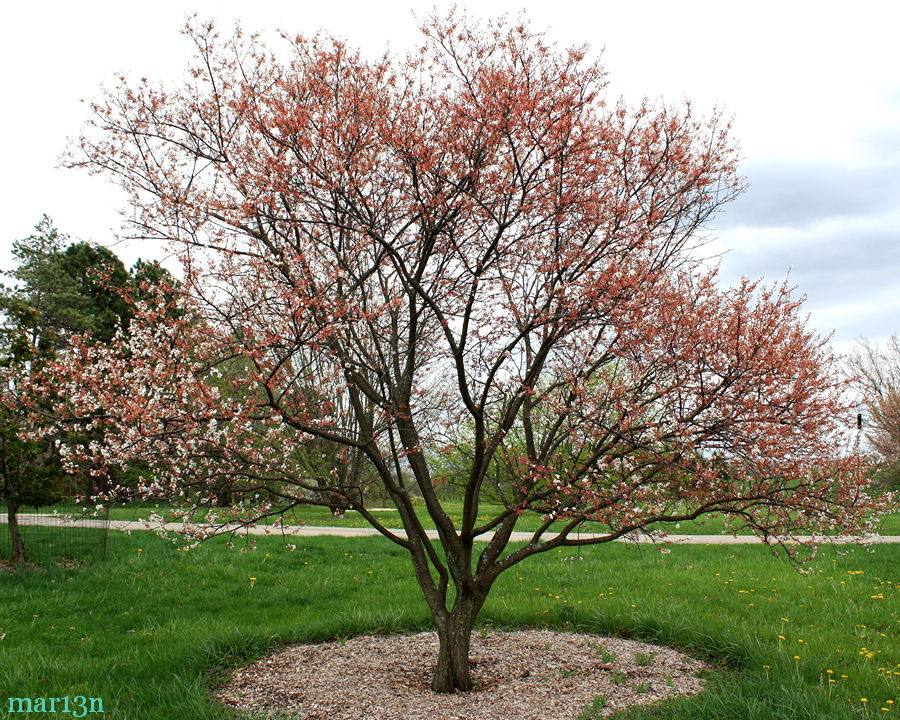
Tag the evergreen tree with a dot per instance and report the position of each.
(57, 288)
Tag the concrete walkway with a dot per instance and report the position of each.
(313, 531)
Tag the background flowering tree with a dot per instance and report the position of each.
(875, 373)
(464, 249)
(57, 288)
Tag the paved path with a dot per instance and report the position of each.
(313, 530)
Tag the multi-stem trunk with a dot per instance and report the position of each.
(454, 630)
(18, 547)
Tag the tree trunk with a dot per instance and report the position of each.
(454, 632)
(18, 547)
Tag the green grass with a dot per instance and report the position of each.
(153, 627)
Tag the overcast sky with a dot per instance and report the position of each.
(813, 88)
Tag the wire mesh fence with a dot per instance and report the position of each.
(57, 533)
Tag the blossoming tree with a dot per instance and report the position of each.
(378, 253)
(875, 375)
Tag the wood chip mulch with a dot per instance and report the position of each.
(527, 675)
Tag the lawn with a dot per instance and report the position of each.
(152, 627)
